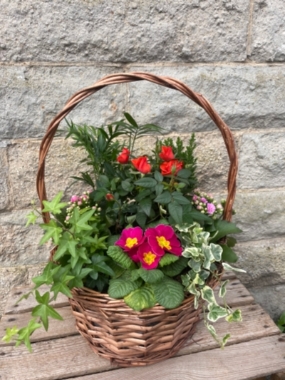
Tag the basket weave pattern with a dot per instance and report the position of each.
(115, 331)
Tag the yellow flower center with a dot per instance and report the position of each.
(163, 243)
(149, 257)
(130, 242)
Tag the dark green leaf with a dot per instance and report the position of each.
(119, 288)
(146, 182)
(163, 198)
(168, 293)
(145, 206)
(151, 276)
(229, 255)
(176, 212)
(158, 176)
(225, 228)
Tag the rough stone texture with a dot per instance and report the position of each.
(4, 181)
(272, 299)
(262, 160)
(260, 214)
(30, 97)
(19, 245)
(15, 276)
(244, 96)
(268, 31)
(124, 31)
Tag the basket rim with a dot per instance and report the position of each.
(164, 81)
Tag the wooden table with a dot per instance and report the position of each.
(256, 348)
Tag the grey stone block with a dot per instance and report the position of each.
(262, 160)
(30, 97)
(4, 180)
(244, 96)
(268, 31)
(19, 245)
(112, 31)
(260, 214)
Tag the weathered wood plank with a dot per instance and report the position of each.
(57, 329)
(244, 361)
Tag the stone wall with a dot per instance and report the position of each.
(231, 51)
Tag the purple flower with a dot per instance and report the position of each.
(204, 200)
(211, 208)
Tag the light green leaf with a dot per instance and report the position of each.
(208, 295)
(168, 259)
(223, 289)
(151, 276)
(229, 267)
(32, 218)
(216, 251)
(118, 255)
(191, 252)
(168, 293)
(195, 265)
(53, 231)
(216, 312)
(234, 317)
(54, 206)
(119, 288)
(140, 299)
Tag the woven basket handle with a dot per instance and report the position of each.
(133, 77)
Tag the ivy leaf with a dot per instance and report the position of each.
(208, 295)
(10, 333)
(118, 255)
(216, 251)
(229, 267)
(223, 289)
(32, 218)
(234, 317)
(54, 206)
(216, 312)
(140, 299)
(80, 221)
(168, 293)
(25, 333)
(53, 231)
(119, 288)
(151, 276)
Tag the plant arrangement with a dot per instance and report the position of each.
(141, 231)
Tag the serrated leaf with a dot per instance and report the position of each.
(118, 255)
(176, 212)
(168, 259)
(163, 198)
(176, 267)
(145, 206)
(140, 299)
(119, 288)
(146, 182)
(151, 276)
(168, 293)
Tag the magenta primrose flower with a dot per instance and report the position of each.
(130, 238)
(162, 238)
(148, 258)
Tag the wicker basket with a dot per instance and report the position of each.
(115, 331)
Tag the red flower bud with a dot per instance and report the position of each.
(123, 158)
(166, 153)
(171, 167)
(109, 197)
(141, 164)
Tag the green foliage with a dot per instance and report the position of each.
(281, 322)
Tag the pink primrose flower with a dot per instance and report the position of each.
(162, 238)
(130, 238)
(133, 254)
(211, 208)
(74, 198)
(148, 258)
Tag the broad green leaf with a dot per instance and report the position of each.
(180, 198)
(184, 173)
(140, 299)
(118, 255)
(234, 317)
(159, 189)
(141, 219)
(176, 267)
(146, 182)
(229, 267)
(229, 255)
(168, 293)
(231, 241)
(145, 206)
(216, 312)
(176, 212)
(208, 295)
(158, 176)
(225, 228)
(163, 198)
(151, 276)
(119, 288)
(223, 289)
(168, 259)
(127, 185)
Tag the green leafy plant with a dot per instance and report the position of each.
(141, 232)
(281, 322)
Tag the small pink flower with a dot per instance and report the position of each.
(74, 198)
(162, 238)
(195, 198)
(148, 258)
(204, 200)
(211, 208)
(130, 238)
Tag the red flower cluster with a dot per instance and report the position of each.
(169, 166)
(149, 247)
